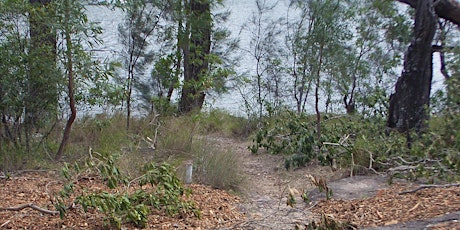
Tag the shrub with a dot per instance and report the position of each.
(219, 168)
(289, 133)
(362, 144)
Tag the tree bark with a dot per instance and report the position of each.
(409, 103)
(447, 9)
(195, 56)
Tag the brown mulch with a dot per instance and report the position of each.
(390, 207)
(217, 207)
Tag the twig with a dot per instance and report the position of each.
(4, 224)
(429, 186)
(32, 206)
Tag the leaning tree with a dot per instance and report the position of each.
(409, 103)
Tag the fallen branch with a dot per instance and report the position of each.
(32, 206)
(429, 186)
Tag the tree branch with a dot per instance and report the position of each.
(429, 186)
(447, 9)
(32, 206)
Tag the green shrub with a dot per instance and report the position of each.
(290, 134)
(363, 144)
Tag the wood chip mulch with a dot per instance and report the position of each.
(389, 206)
(218, 208)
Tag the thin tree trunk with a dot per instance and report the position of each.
(318, 81)
(409, 103)
(70, 87)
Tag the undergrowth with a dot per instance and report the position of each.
(364, 145)
(117, 202)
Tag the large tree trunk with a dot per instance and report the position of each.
(195, 56)
(409, 103)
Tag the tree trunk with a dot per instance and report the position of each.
(195, 56)
(70, 85)
(409, 103)
(318, 81)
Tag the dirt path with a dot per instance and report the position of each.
(266, 190)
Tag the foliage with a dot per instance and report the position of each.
(362, 145)
(34, 58)
(117, 202)
(290, 134)
(329, 223)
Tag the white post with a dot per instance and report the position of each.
(188, 172)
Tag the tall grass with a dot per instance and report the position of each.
(171, 139)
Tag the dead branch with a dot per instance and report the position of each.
(32, 206)
(429, 186)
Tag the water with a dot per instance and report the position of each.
(241, 11)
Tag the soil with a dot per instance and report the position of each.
(367, 202)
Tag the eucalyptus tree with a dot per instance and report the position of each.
(366, 68)
(31, 59)
(74, 33)
(13, 69)
(30, 78)
(43, 77)
(409, 104)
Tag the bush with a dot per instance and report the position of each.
(291, 134)
(363, 145)
(219, 168)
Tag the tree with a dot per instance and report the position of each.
(409, 103)
(41, 102)
(265, 49)
(13, 71)
(74, 29)
(447, 9)
(366, 67)
(141, 21)
(196, 48)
